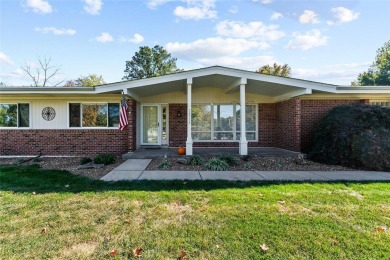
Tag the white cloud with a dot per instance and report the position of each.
(308, 17)
(137, 38)
(104, 37)
(343, 15)
(196, 10)
(233, 9)
(153, 4)
(340, 74)
(18, 73)
(308, 40)
(5, 59)
(276, 16)
(264, 2)
(256, 30)
(55, 31)
(93, 6)
(39, 6)
(211, 48)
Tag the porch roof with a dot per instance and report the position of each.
(228, 79)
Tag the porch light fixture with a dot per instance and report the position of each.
(178, 113)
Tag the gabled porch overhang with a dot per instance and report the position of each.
(232, 85)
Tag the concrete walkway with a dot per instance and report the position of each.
(134, 169)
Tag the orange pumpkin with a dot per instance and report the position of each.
(181, 150)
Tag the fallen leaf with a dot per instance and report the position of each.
(281, 201)
(182, 255)
(44, 230)
(127, 221)
(217, 246)
(138, 252)
(264, 247)
(261, 195)
(113, 253)
(380, 229)
(335, 241)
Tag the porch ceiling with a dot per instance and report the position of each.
(228, 83)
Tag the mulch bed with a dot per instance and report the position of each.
(65, 163)
(258, 163)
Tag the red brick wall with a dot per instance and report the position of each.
(63, 142)
(312, 111)
(177, 125)
(132, 127)
(267, 125)
(288, 124)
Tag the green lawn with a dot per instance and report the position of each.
(54, 214)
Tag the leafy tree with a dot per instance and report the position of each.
(43, 74)
(276, 70)
(86, 81)
(150, 62)
(379, 72)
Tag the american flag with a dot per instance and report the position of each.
(123, 121)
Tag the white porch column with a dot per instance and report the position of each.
(189, 134)
(243, 145)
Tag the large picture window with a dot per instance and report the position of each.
(93, 115)
(14, 115)
(221, 122)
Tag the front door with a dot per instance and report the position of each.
(151, 133)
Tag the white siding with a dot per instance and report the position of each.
(59, 121)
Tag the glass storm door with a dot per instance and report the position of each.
(150, 125)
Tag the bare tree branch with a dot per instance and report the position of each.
(44, 69)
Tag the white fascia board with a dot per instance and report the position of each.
(363, 90)
(16, 91)
(292, 94)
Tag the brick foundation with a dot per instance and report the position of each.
(62, 142)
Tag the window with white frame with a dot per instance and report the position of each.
(381, 103)
(15, 115)
(221, 122)
(93, 115)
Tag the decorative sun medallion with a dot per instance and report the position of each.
(48, 113)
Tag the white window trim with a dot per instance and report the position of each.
(212, 131)
(81, 115)
(17, 119)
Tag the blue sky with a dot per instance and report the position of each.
(326, 41)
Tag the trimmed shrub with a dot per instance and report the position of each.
(104, 158)
(229, 159)
(216, 164)
(350, 134)
(85, 160)
(195, 160)
(164, 165)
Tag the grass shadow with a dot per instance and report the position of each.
(25, 179)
